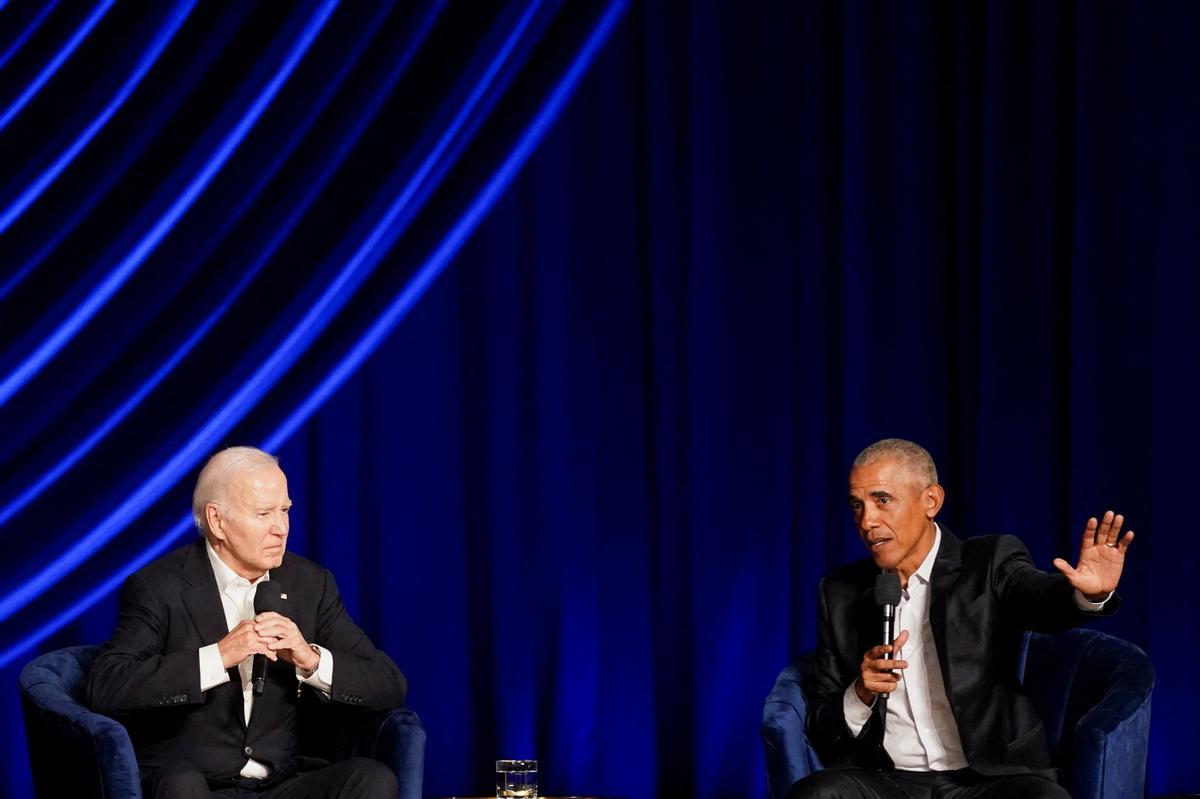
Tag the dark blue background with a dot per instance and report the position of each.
(567, 319)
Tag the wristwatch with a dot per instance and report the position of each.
(310, 672)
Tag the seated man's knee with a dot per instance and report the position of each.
(828, 784)
(371, 779)
(178, 781)
(1038, 788)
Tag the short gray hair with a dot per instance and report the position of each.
(910, 455)
(213, 483)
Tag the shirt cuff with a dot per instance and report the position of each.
(322, 678)
(857, 714)
(212, 670)
(1087, 605)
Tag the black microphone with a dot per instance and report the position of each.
(268, 596)
(887, 597)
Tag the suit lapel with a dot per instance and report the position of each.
(201, 597)
(946, 570)
(203, 601)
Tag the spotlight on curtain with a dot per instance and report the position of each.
(214, 214)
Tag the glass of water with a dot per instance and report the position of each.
(516, 779)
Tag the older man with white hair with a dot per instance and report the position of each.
(178, 670)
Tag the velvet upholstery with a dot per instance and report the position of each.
(1092, 691)
(61, 730)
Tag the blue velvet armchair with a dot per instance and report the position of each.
(75, 752)
(1092, 691)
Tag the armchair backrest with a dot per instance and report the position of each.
(1092, 691)
(60, 729)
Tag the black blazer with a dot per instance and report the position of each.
(984, 593)
(148, 675)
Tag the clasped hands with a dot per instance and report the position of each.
(269, 634)
(1101, 560)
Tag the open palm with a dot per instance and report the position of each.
(1101, 557)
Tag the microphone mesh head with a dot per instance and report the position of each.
(266, 597)
(887, 589)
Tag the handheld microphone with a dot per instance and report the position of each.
(267, 597)
(887, 597)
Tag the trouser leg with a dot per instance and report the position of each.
(356, 778)
(856, 783)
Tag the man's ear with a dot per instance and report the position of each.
(932, 499)
(212, 515)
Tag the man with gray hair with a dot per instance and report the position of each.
(178, 669)
(953, 724)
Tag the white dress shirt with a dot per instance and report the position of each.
(237, 600)
(920, 733)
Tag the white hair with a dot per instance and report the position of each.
(212, 486)
(913, 457)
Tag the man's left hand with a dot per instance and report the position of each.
(288, 641)
(1101, 557)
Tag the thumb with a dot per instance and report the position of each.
(900, 641)
(1065, 567)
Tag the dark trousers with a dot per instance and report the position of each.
(863, 783)
(356, 778)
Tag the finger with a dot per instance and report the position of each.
(1065, 568)
(900, 641)
(884, 684)
(1109, 533)
(1124, 543)
(1105, 525)
(1089, 534)
(888, 665)
(276, 627)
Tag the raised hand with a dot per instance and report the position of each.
(1101, 557)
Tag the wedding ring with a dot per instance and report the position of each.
(1110, 545)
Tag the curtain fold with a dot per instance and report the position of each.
(566, 320)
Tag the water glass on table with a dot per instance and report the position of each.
(516, 779)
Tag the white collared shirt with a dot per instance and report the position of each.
(237, 600)
(920, 733)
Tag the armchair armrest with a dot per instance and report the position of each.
(1093, 693)
(395, 737)
(1111, 740)
(789, 755)
(400, 742)
(61, 730)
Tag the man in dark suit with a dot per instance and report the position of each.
(939, 713)
(177, 671)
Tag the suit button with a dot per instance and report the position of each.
(249, 750)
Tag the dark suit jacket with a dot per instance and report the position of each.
(148, 675)
(984, 592)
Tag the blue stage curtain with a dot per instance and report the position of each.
(566, 320)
